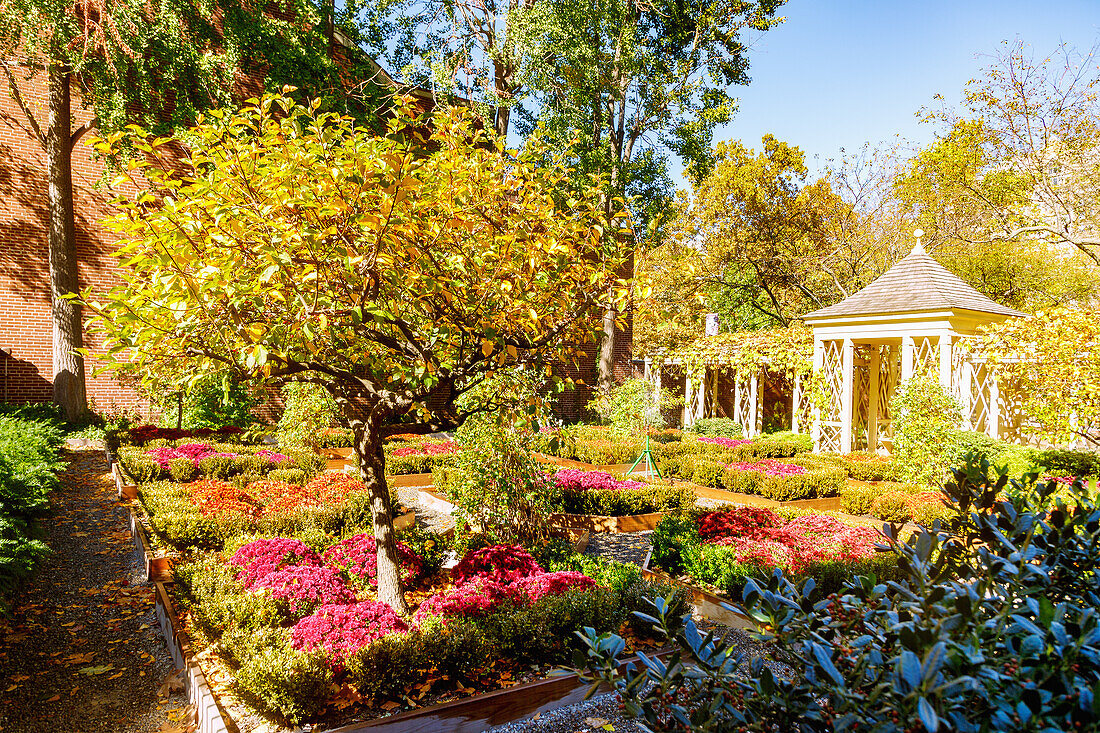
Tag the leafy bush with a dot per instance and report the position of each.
(782, 445)
(213, 402)
(722, 427)
(288, 475)
(925, 418)
(182, 470)
(292, 685)
(543, 630)
(28, 473)
(892, 506)
(629, 407)
(674, 536)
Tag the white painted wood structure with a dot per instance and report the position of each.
(909, 321)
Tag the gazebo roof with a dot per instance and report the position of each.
(916, 283)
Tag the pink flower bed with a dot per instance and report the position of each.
(195, 452)
(271, 456)
(304, 587)
(763, 538)
(444, 448)
(258, 559)
(724, 442)
(574, 479)
(343, 629)
(475, 598)
(357, 556)
(769, 467)
(499, 563)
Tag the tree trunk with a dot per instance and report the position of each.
(372, 464)
(607, 351)
(69, 389)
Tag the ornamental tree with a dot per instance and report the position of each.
(398, 272)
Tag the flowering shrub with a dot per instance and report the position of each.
(216, 498)
(304, 587)
(193, 452)
(258, 559)
(343, 629)
(768, 467)
(475, 598)
(741, 520)
(724, 442)
(573, 479)
(552, 584)
(272, 456)
(499, 563)
(444, 448)
(357, 556)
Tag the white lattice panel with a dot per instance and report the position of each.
(833, 373)
(979, 387)
(926, 357)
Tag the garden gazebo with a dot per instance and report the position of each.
(910, 320)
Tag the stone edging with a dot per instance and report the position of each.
(208, 716)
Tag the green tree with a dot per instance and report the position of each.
(397, 273)
(924, 418)
(131, 61)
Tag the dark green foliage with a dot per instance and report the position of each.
(675, 536)
(1067, 462)
(627, 502)
(213, 402)
(431, 547)
(28, 473)
(543, 631)
(991, 626)
(722, 427)
(289, 475)
(609, 573)
(291, 685)
(977, 444)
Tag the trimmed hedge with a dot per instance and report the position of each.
(820, 480)
(141, 468)
(722, 427)
(626, 502)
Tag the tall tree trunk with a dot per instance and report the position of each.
(372, 464)
(69, 390)
(607, 350)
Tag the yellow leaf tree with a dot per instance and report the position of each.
(396, 271)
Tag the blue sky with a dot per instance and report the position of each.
(838, 73)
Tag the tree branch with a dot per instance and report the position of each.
(14, 87)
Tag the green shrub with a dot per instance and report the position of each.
(892, 506)
(182, 470)
(675, 536)
(634, 600)
(707, 473)
(721, 427)
(139, 467)
(782, 445)
(1067, 462)
(611, 574)
(606, 453)
(543, 631)
(290, 475)
(213, 402)
(925, 417)
(627, 502)
(1015, 462)
(293, 686)
(820, 483)
(717, 565)
(219, 467)
(742, 482)
(307, 461)
(863, 466)
(978, 444)
(858, 499)
(308, 412)
(253, 464)
(629, 407)
(431, 548)
(404, 465)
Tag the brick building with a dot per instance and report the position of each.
(26, 359)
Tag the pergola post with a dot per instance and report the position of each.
(907, 348)
(993, 419)
(848, 371)
(796, 402)
(872, 399)
(713, 394)
(815, 415)
(754, 406)
(945, 361)
(689, 405)
(966, 394)
(656, 383)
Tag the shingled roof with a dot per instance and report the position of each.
(916, 283)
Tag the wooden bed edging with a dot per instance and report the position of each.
(208, 716)
(706, 603)
(158, 568)
(599, 523)
(481, 712)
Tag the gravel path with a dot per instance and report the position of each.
(81, 651)
(629, 547)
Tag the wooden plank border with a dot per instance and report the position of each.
(208, 715)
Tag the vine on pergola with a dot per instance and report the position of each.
(743, 354)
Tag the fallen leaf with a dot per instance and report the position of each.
(598, 723)
(96, 670)
(55, 698)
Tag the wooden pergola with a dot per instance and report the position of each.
(910, 320)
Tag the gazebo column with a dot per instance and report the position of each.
(713, 394)
(796, 402)
(907, 348)
(656, 383)
(945, 362)
(815, 415)
(872, 399)
(848, 371)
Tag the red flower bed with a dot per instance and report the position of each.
(332, 487)
(475, 598)
(304, 587)
(262, 557)
(724, 442)
(499, 563)
(144, 433)
(357, 556)
(762, 538)
(444, 448)
(552, 584)
(343, 629)
(193, 452)
(742, 520)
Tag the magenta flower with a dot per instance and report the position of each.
(552, 584)
(573, 479)
(768, 467)
(343, 629)
(475, 598)
(271, 456)
(724, 442)
(304, 587)
(357, 556)
(499, 563)
(258, 559)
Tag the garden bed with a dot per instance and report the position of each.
(607, 524)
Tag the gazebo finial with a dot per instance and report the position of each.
(918, 248)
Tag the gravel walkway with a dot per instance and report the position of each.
(629, 547)
(82, 651)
